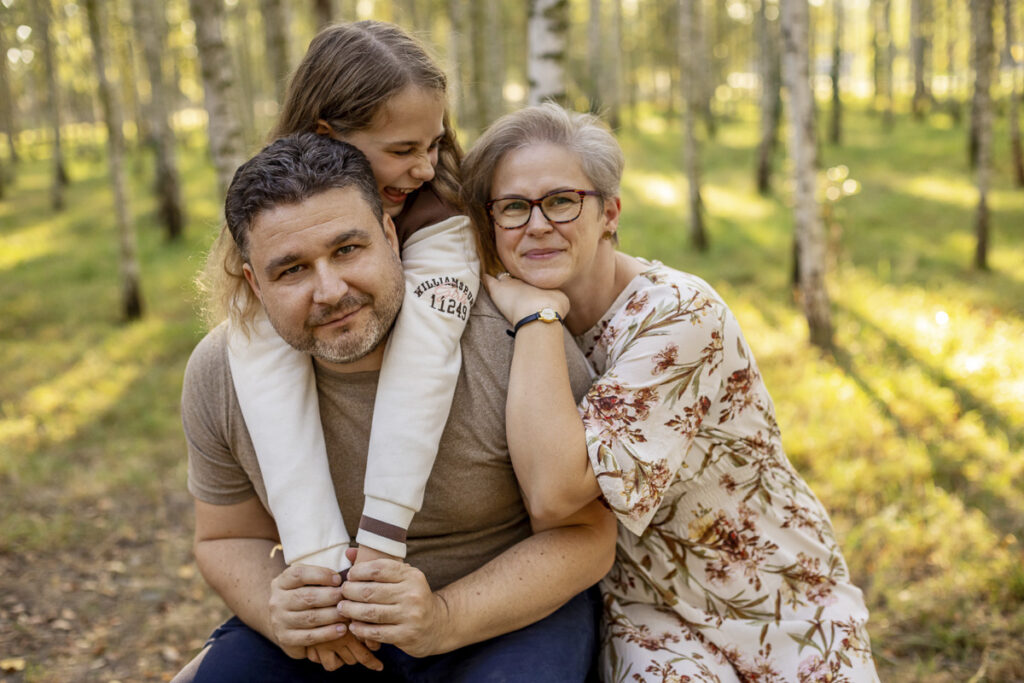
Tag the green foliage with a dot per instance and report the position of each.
(912, 433)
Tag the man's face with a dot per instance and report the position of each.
(328, 276)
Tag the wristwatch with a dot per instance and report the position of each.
(545, 315)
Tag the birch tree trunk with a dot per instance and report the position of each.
(613, 57)
(150, 26)
(595, 52)
(483, 49)
(809, 230)
(323, 13)
(60, 176)
(918, 47)
(494, 65)
(952, 29)
(7, 104)
(1016, 74)
(688, 67)
(835, 130)
(547, 26)
(227, 147)
(883, 57)
(771, 102)
(461, 66)
(984, 50)
(131, 294)
(275, 33)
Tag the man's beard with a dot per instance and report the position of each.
(350, 347)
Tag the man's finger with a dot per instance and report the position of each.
(310, 618)
(309, 598)
(307, 575)
(308, 637)
(370, 613)
(381, 633)
(384, 571)
(373, 591)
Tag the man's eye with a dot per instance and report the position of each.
(290, 271)
(347, 249)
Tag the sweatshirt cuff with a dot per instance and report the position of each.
(332, 558)
(383, 526)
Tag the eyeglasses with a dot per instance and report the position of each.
(560, 206)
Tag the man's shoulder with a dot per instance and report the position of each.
(210, 353)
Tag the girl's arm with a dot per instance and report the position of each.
(417, 380)
(276, 391)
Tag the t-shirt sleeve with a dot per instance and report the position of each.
(214, 474)
(642, 415)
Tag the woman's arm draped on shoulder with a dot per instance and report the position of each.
(418, 378)
(276, 391)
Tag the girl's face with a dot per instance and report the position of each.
(543, 253)
(401, 143)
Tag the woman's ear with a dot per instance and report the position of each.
(612, 210)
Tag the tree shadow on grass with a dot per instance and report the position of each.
(1001, 508)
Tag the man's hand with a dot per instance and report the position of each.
(345, 650)
(302, 608)
(391, 602)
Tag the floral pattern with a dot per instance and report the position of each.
(727, 567)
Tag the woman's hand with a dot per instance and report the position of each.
(517, 299)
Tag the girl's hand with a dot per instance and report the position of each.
(517, 299)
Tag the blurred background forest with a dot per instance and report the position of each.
(847, 173)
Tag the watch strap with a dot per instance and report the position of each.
(539, 315)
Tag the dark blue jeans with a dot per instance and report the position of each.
(558, 649)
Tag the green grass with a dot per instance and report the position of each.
(912, 433)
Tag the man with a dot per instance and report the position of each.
(487, 591)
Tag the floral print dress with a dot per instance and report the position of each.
(727, 565)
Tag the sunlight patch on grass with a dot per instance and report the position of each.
(24, 245)
(940, 188)
(655, 188)
(55, 411)
(722, 200)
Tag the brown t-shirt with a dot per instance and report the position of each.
(472, 509)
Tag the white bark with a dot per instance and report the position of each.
(810, 234)
(150, 28)
(6, 97)
(131, 298)
(689, 68)
(219, 90)
(984, 52)
(275, 34)
(1016, 72)
(548, 23)
(60, 177)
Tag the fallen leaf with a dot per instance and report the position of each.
(61, 625)
(12, 665)
(170, 654)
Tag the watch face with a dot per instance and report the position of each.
(548, 315)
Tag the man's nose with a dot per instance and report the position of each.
(329, 285)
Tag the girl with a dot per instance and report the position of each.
(372, 85)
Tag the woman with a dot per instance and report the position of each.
(727, 565)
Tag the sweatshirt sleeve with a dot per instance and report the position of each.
(417, 381)
(276, 390)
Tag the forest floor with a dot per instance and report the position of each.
(912, 432)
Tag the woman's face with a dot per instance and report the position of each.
(401, 143)
(546, 254)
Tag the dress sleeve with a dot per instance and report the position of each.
(642, 414)
(418, 378)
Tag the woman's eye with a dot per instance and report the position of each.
(515, 207)
(402, 152)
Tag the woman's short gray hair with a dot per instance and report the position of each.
(583, 135)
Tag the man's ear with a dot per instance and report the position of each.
(250, 277)
(390, 234)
